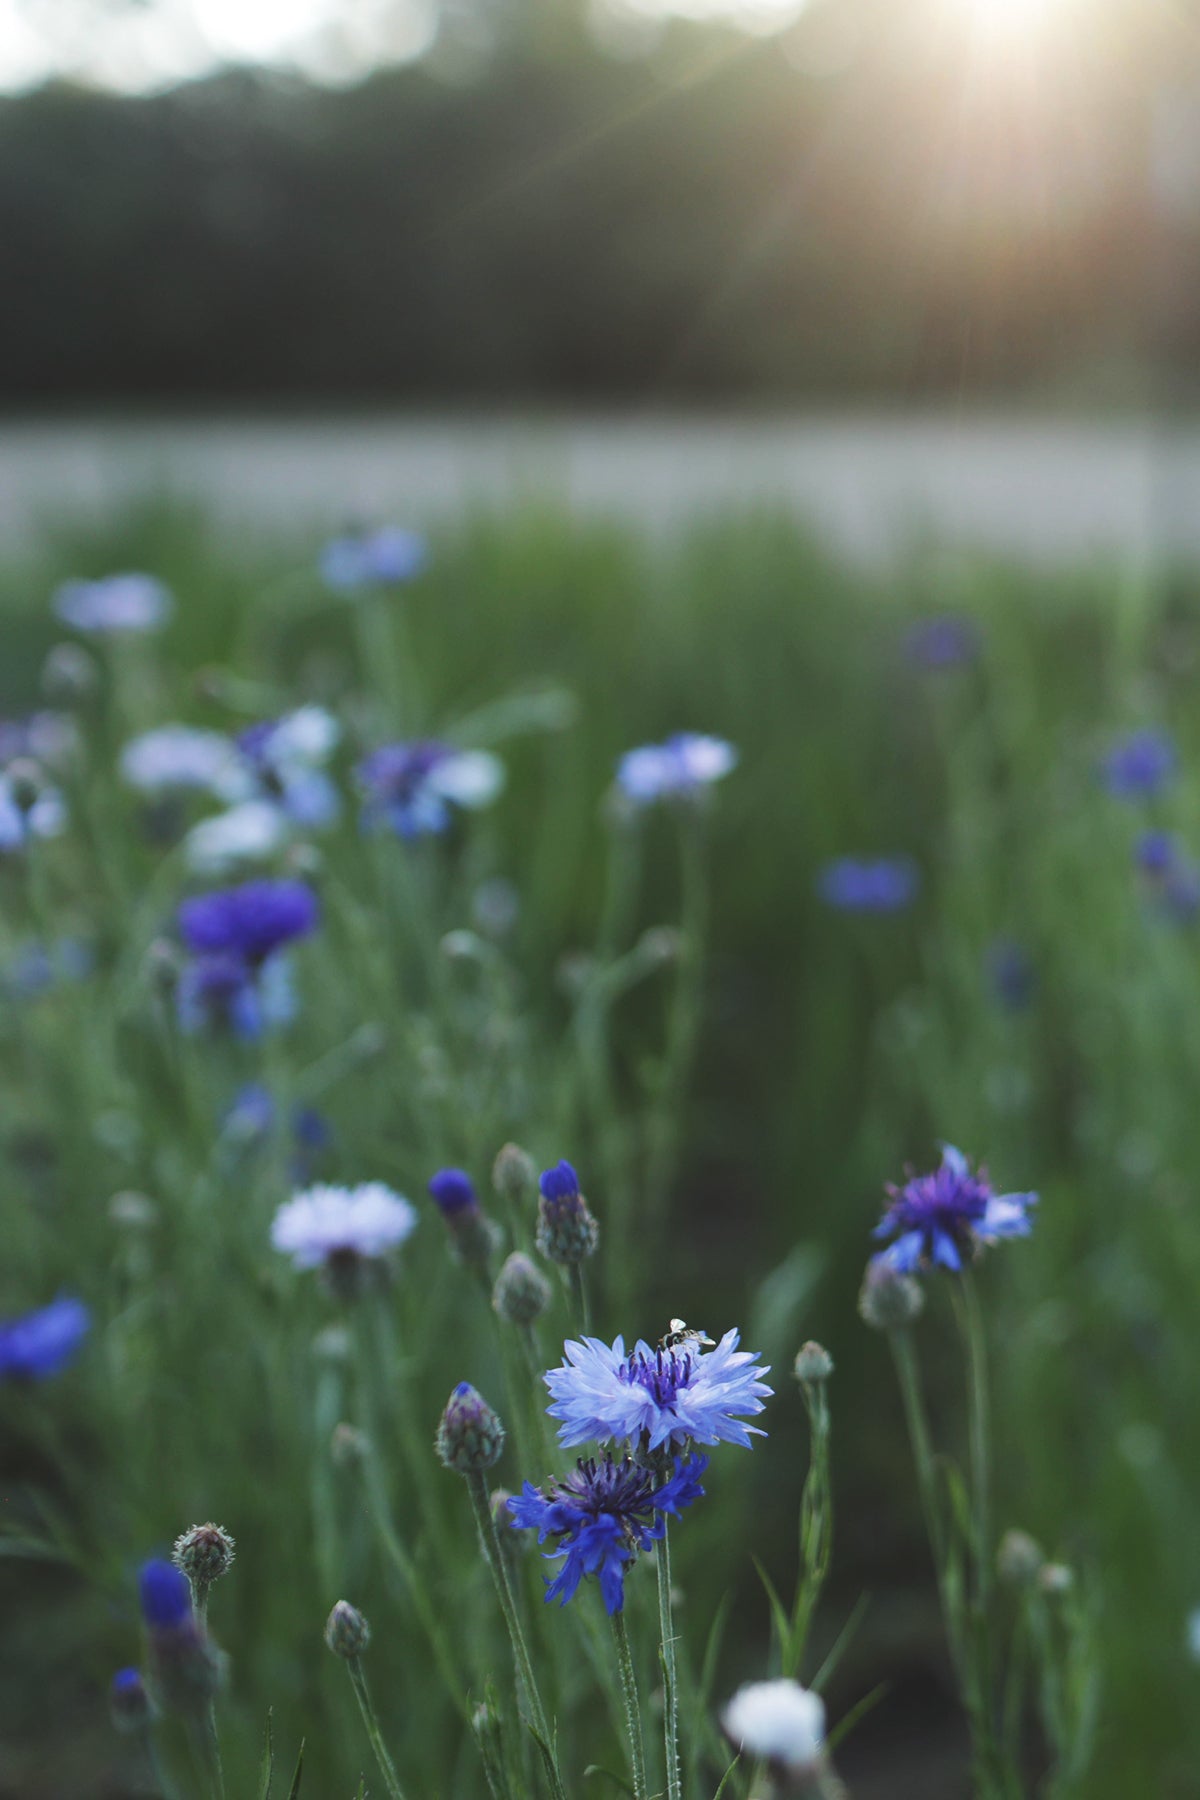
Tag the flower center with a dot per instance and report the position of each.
(662, 1375)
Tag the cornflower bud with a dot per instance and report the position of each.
(348, 1445)
(203, 1553)
(472, 1236)
(132, 1211)
(567, 1232)
(1019, 1559)
(128, 1701)
(514, 1174)
(470, 1437)
(814, 1364)
(887, 1299)
(1056, 1579)
(346, 1631)
(521, 1293)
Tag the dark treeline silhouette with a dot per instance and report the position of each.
(848, 209)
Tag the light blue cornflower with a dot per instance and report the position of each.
(384, 557)
(1010, 973)
(1139, 766)
(880, 885)
(601, 1516)
(648, 1398)
(414, 787)
(679, 769)
(114, 605)
(26, 816)
(286, 760)
(174, 759)
(945, 1218)
(41, 1343)
(947, 641)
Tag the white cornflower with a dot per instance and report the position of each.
(780, 1721)
(323, 1223)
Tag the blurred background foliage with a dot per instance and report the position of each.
(553, 204)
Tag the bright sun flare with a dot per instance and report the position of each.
(1009, 18)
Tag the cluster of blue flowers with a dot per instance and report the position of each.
(944, 1219)
(235, 974)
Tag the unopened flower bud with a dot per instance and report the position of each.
(813, 1363)
(470, 1436)
(521, 1293)
(128, 1701)
(514, 1174)
(348, 1445)
(69, 674)
(132, 1211)
(473, 1238)
(1019, 1558)
(332, 1344)
(567, 1232)
(204, 1554)
(1056, 1579)
(887, 1299)
(163, 963)
(346, 1631)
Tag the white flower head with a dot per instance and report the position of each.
(780, 1721)
(468, 778)
(677, 770)
(46, 817)
(322, 1222)
(249, 833)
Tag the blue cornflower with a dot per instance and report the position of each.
(884, 885)
(601, 1516)
(453, 1190)
(285, 759)
(114, 604)
(1010, 973)
(939, 1219)
(165, 1595)
(946, 642)
(679, 769)
(38, 967)
(1139, 766)
(412, 787)
(41, 1343)
(1156, 852)
(250, 921)
(226, 990)
(26, 815)
(654, 1397)
(384, 557)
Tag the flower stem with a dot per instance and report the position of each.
(492, 1555)
(580, 1293)
(662, 1557)
(387, 1768)
(633, 1711)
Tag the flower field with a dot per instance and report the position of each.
(540, 1065)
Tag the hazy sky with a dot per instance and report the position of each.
(137, 45)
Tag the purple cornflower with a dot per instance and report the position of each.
(384, 557)
(942, 1218)
(654, 1397)
(601, 1516)
(41, 1343)
(946, 642)
(1156, 853)
(250, 921)
(1139, 766)
(285, 760)
(883, 885)
(412, 787)
(225, 990)
(114, 604)
(679, 769)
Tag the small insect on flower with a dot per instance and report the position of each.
(946, 1217)
(601, 1516)
(681, 1333)
(649, 1398)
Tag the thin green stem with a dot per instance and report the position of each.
(494, 1558)
(387, 1768)
(904, 1356)
(979, 1430)
(662, 1557)
(633, 1711)
(580, 1295)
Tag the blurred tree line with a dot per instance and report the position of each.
(855, 206)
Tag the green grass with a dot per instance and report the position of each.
(831, 1051)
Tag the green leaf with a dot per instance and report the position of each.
(599, 1769)
(294, 1790)
(846, 1725)
(725, 1777)
(841, 1643)
(779, 1614)
(267, 1768)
